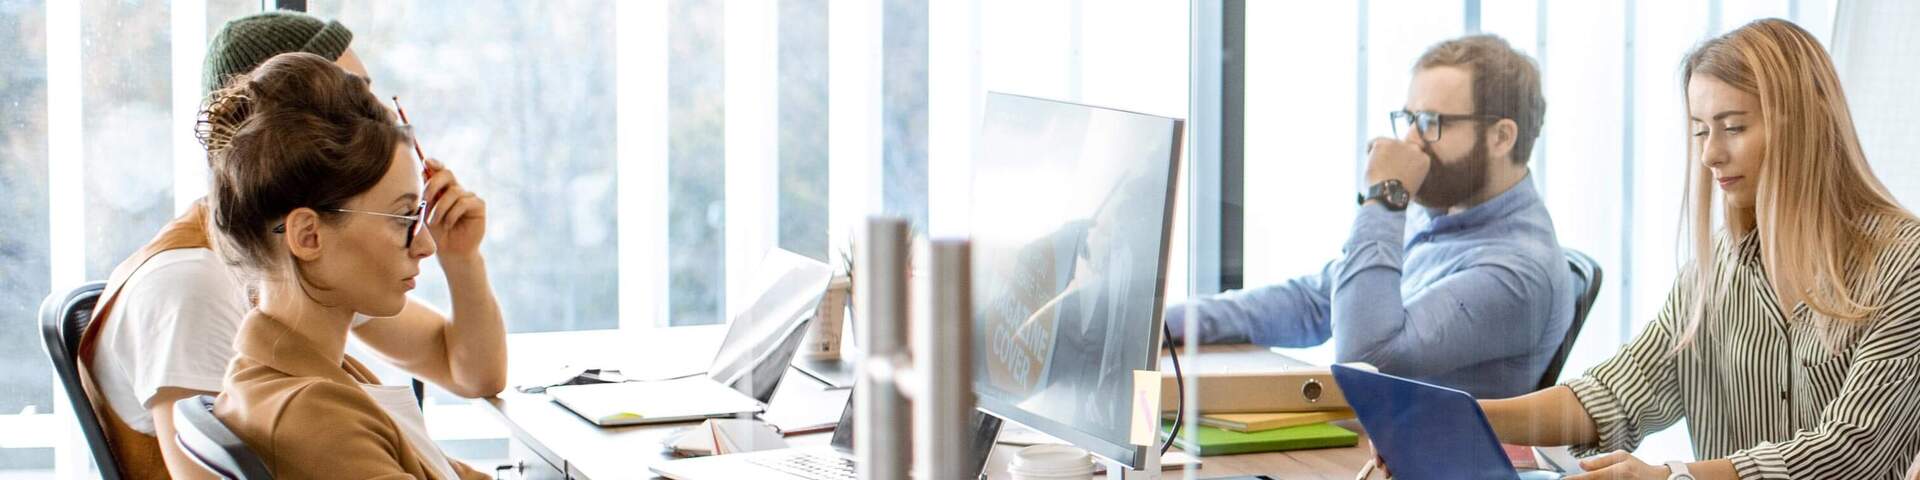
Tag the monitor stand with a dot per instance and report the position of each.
(1149, 471)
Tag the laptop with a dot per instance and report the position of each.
(1426, 431)
(760, 342)
(835, 372)
(832, 462)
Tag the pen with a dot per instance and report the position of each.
(426, 171)
(1367, 471)
(409, 125)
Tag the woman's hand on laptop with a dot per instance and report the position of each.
(1913, 472)
(1618, 464)
(1377, 465)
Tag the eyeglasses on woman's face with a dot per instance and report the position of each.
(413, 220)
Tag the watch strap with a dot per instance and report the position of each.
(1679, 471)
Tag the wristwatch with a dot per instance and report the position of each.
(1679, 470)
(1391, 194)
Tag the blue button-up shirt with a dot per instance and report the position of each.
(1478, 300)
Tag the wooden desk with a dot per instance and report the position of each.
(583, 450)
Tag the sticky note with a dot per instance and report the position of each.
(1145, 416)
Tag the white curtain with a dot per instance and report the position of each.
(1877, 51)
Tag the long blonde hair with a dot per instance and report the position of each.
(1815, 187)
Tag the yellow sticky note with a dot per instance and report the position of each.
(1146, 408)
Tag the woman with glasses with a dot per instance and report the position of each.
(1791, 342)
(166, 320)
(318, 199)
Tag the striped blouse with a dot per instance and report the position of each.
(1780, 399)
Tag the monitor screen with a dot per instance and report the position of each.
(1071, 208)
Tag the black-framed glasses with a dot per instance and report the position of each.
(1429, 124)
(413, 221)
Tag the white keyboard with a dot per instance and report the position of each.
(814, 467)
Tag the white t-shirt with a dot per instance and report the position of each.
(173, 326)
(399, 404)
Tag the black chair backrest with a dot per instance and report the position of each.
(1587, 275)
(63, 317)
(209, 443)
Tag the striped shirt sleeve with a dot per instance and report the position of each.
(1637, 392)
(1869, 430)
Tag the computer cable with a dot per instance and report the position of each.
(1180, 383)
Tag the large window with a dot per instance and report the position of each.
(512, 96)
(90, 150)
(803, 137)
(25, 386)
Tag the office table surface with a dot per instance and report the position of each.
(584, 450)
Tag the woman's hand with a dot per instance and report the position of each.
(457, 217)
(1379, 465)
(1619, 465)
(1913, 472)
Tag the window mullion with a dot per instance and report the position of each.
(752, 141)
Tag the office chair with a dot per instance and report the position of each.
(63, 317)
(211, 445)
(1586, 273)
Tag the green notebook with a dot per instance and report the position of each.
(1215, 441)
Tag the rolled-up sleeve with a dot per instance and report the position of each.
(1866, 431)
(1637, 392)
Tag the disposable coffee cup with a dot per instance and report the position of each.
(1051, 462)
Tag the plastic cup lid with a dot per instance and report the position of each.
(1052, 459)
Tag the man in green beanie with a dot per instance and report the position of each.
(248, 41)
(165, 326)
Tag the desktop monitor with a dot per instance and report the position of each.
(1071, 208)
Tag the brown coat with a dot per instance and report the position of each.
(306, 416)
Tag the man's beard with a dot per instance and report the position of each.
(1449, 184)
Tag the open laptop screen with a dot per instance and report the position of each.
(986, 428)
(766, 330)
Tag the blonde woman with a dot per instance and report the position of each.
(1791, 344)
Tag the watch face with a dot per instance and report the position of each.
(1390, 193)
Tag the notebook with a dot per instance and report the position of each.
(630, 403)
(1216, 441)
(1260, 422)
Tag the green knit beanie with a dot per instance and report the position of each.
(246, 42)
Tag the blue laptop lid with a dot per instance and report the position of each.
(1422, 430)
